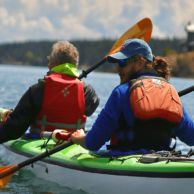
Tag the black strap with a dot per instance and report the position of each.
(135, 86)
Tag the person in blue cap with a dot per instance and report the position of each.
(144, 111)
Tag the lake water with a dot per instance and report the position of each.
(15, 80)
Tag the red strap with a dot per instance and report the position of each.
(5, 117)
(69, 139)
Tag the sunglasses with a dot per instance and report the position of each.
(124, 62)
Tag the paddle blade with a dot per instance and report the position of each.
(142, 30)
(6, 173)
(4, 181)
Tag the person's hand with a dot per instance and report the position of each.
(4, 113)
(78, 137)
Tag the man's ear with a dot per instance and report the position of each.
(58, 62)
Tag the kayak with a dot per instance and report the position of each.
(92, 172)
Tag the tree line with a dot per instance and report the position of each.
(91, 51)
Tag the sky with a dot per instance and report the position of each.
(23, 20)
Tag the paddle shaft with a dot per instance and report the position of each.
(45, 154)
(186, 91)
(86, 72)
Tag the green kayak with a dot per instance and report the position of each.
(92, 172)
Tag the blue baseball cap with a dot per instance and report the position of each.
(130, 48)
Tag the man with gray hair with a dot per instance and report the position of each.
(59, 101)
(64, 52)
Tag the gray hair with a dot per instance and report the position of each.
(65, 53)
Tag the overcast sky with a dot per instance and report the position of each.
(22, 20)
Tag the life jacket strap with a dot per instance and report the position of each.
(43, 122)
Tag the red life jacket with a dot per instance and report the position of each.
(157, 109)
(63, 105)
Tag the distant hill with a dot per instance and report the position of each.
(91, 51)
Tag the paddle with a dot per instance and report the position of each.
(186, 91)
(141, 30)
(6, 172)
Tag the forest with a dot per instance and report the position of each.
(91, 51)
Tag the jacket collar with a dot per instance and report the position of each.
(151, 72)
(66, 68)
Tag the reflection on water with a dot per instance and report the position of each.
(15, 80)
(26, 183)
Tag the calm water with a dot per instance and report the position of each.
(15, 80)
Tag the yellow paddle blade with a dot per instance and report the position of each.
(141, 30)
(6, 173)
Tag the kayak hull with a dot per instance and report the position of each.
(100, 180)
